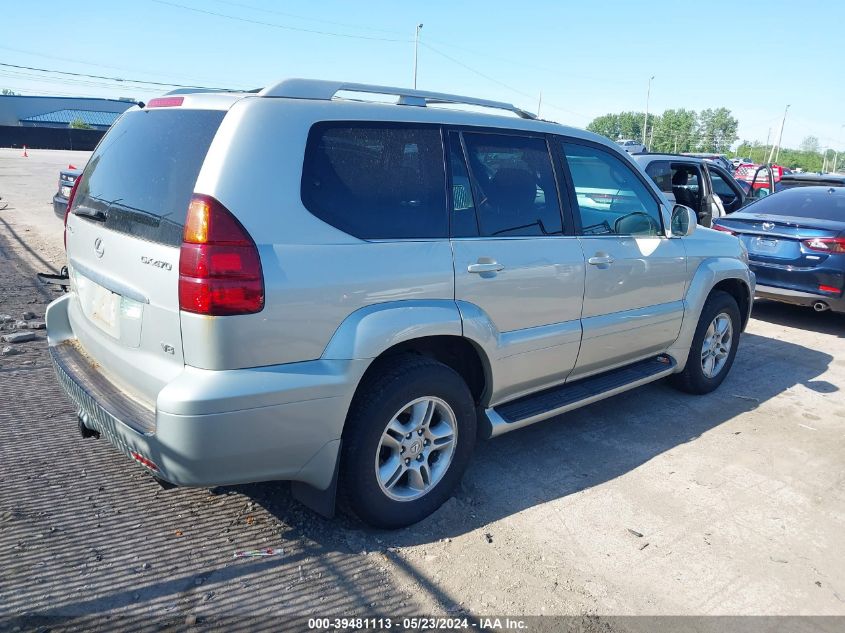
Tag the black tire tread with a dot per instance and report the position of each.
(380, 381)
(690, 379)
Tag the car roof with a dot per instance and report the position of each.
(814, 192)
(675, 158)
(411, 106)
(822, 178)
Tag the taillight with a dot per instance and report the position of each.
(831, 289)
(70, 203)
(219, 267)
(165, 102)
(826, 244)
(724, 229)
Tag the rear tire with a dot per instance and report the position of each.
(409, 436)
(713, 346)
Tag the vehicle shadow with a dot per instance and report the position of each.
(590, 446)
(787, 315)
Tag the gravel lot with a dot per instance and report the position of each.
(654, 502)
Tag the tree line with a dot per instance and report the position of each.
(681, 130)
(809, 156)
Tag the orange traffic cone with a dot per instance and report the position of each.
(25, 155)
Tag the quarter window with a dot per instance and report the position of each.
(516, 192)
(464, 222)
(612, 200)
(376, 181)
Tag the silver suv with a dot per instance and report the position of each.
(347, 293)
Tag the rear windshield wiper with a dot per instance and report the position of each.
(94, 214)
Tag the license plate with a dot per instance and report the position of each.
(65, 191)
(764, 245)
(100, 305)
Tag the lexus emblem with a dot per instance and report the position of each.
(98, 247)
(768, 226)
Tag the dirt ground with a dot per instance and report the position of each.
(653, 502)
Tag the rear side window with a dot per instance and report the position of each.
(516, 187)
(140, 178)
(377, 181)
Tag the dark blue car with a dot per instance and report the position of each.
(796, 245)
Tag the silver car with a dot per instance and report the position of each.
(346, 294)
(631, 146)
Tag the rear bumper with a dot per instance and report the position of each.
(800, 298)
(216, 427)
(59, 206)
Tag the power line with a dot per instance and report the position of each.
(475, 71)
(309, 19)
(70, 82)
(496, 81)
(64, 58)
(282, 26)
(117, 79)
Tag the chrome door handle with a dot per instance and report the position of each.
(485, 267)
(600, 260)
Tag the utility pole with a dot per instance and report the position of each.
(647, 97)
(836, 154)
(416, 52)
(768, 137)
(780, 137)
(539, 104)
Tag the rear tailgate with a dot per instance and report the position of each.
(123, 239)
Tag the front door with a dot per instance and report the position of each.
(514, 266)
(635, 274)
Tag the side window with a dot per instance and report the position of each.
(660, 172)
(681, 182)
(687, 185)
(515, 185)
(376, 181)
(462, 206)
(612, 200)
(720, 187)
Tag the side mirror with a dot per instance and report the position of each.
(684, 221)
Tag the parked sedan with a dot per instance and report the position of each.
(631, 146)
(67, 177)
(796, 245)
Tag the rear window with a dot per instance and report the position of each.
(377, 181)
(140, 178)
(820, 203)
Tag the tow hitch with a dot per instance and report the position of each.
(62, 279)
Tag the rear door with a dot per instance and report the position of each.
(636, 275)
(513, 259)
(124, 233)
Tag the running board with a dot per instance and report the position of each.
(556, 400)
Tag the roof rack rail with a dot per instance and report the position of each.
(326, 90)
